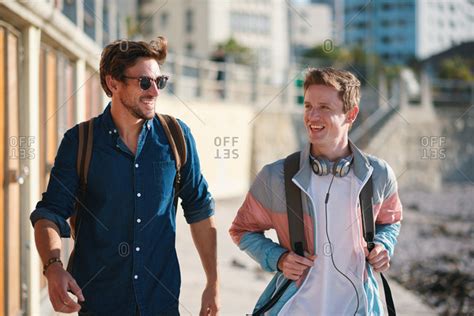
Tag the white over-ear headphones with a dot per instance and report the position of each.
(322, 166)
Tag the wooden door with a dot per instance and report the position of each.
(12, 150)
(16, 151)
(2, 170)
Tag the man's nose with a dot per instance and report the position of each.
(154, 89)
(314, 113)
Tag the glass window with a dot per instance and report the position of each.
(70, 10)
(164, 19)
(89, 18)
(189, 21)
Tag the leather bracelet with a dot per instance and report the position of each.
(50, 262)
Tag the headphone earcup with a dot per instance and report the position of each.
(341, 167)
(320, 166)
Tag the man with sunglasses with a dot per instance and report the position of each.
(125, 261)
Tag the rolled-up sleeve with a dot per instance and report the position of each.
(57, 203)
(197, 201)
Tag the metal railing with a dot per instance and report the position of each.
(193, 78)
(447, 92)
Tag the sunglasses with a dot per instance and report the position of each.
(145, 82)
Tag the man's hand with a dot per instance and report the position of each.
(210, 300)
(293, 266)
(59, 282)
(379, 258)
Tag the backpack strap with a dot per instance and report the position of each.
(294, 206)
(368, 226)
(84, 154)
(368, 223)
(294, 209)
(175, 136)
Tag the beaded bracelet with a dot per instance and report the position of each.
(50, 262)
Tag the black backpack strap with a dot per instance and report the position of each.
(175, 136)
(294, 206)
(84, 154)
(368, 225)
(294, 209)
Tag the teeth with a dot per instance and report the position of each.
(316, 126)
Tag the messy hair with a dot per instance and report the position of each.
(122, 54)
(343, 81)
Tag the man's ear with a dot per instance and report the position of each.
(112, 83)
(352, 114)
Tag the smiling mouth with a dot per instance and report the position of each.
(148, 101)
(316, 128)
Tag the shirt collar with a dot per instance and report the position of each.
(110, 127)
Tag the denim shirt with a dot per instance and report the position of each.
(125, 256)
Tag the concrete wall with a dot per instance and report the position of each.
(223, 136)
(408, 143)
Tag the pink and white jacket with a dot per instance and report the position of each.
(264, 208)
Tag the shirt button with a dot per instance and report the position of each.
(139, 194)
(110, 132)
(135, 276)
(136, 165)
(137, 249)
(139, 220)
(115, 131)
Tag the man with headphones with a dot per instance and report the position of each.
(336, 275)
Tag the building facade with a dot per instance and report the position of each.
(49, 56)
(310, 25)
(399, 31)
(195, 28)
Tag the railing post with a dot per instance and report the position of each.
(178, 68)
(383, 93)
(425, 93)
(200, 87)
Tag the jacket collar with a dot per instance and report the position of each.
(360, 165)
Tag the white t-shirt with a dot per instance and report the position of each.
(326, 291)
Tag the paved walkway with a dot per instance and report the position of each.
(242, 280)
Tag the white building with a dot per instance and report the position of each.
(310, 25)
(443, 24)
(196, 27)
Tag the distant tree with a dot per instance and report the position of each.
(236, 52)
(456, 68)
(329, 54)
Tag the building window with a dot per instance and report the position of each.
(164, 19)
(105, 24)
(189, 21)
(386, 39)
(189, 49)
(70, 10)
(89, 18)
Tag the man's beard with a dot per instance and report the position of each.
(136, 111)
